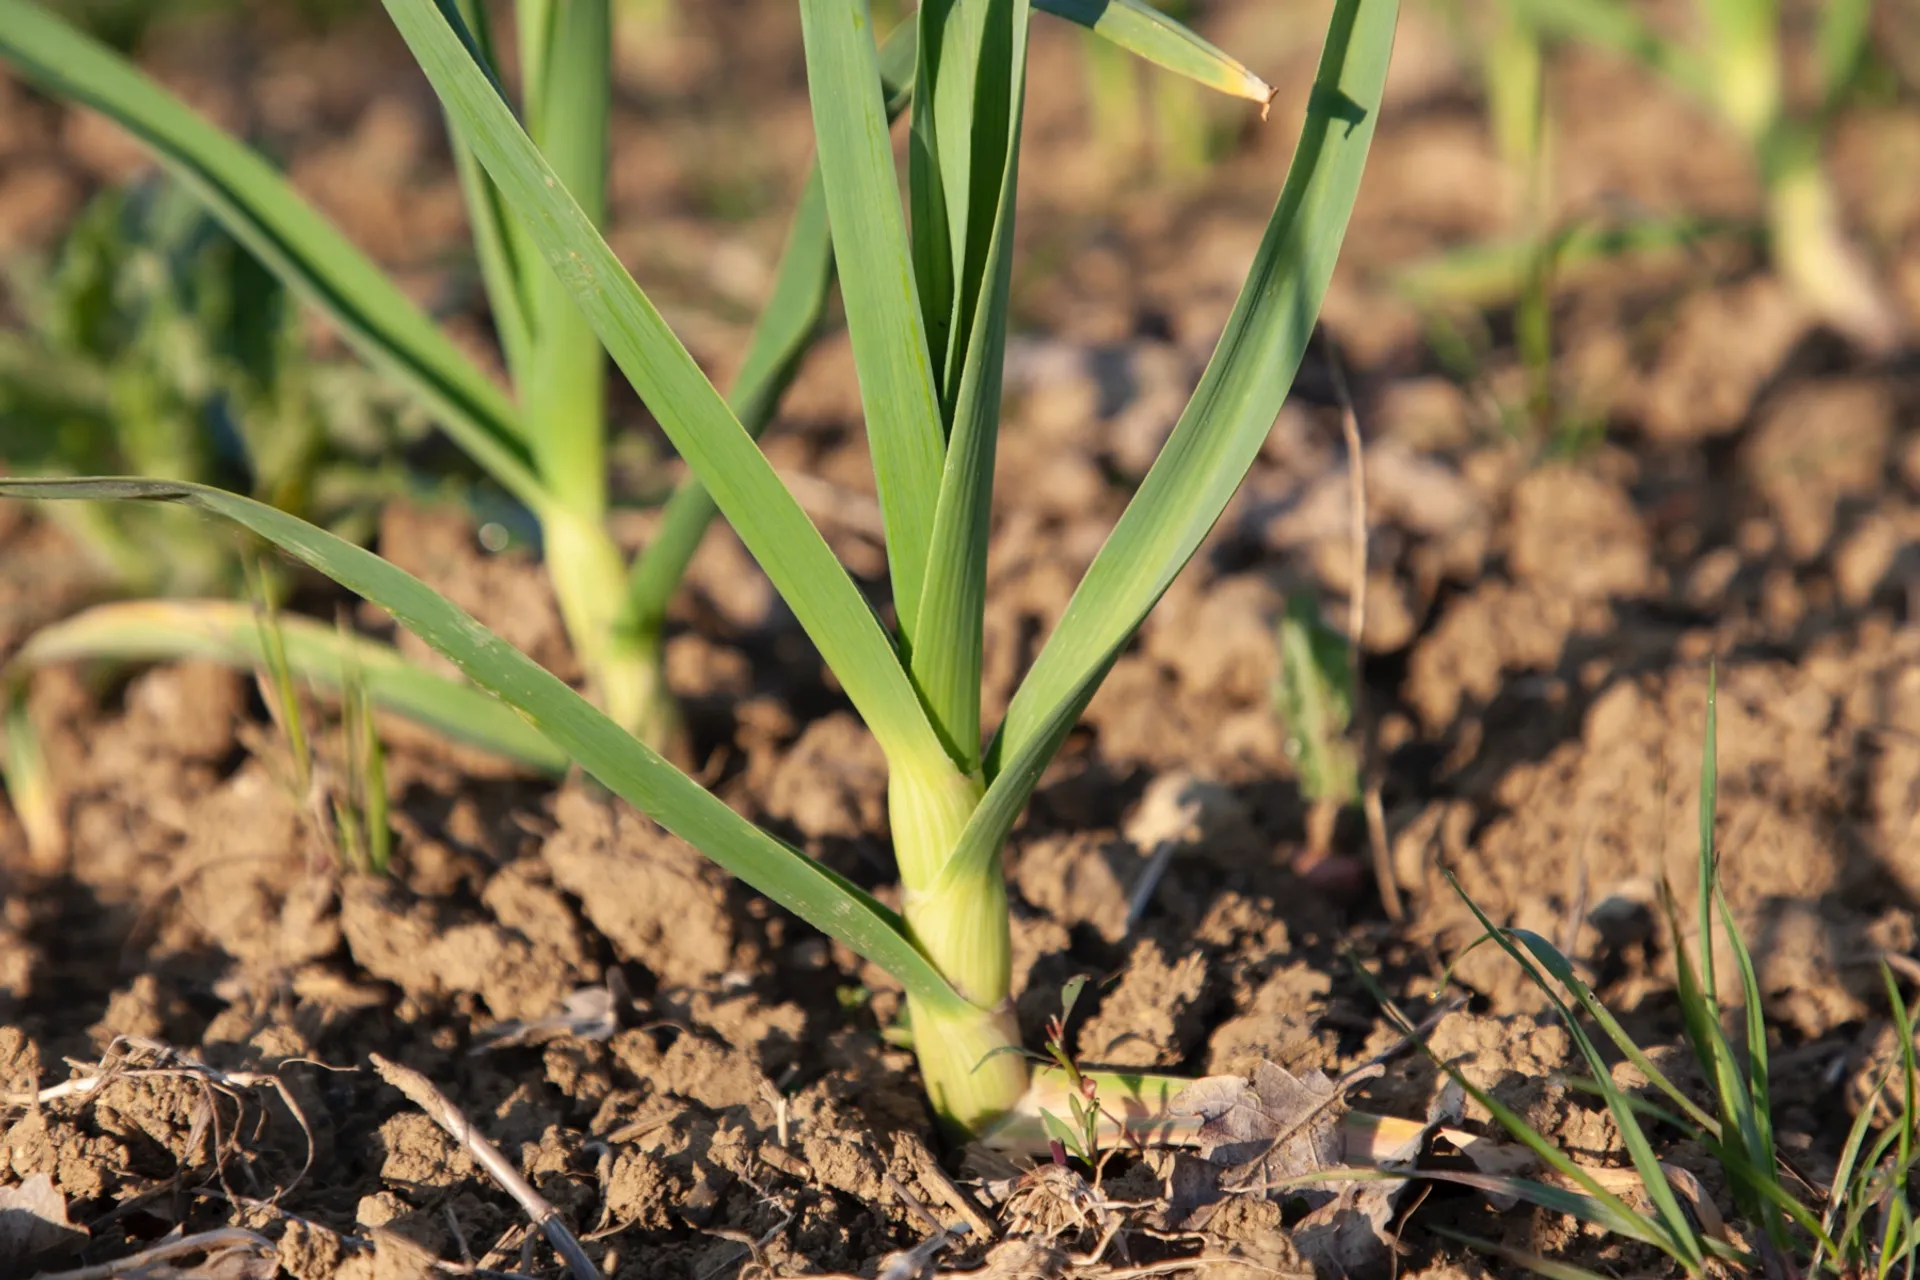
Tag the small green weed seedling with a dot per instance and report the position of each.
(1861, 1225)
(345, 801)
(926, 307)
(1314, 696)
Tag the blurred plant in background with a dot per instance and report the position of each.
(1739, 65)
(153, 344)
(1315, 698)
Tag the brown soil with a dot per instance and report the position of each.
(1538, 638)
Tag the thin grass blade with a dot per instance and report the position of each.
(1685, 1241)
(1557, 965)
(1707, 864)
(258, 208)
(1621, 1217)
(1217, 436)
(626, 767)
(905, 432)
(690, 411)
(1141, 29)
(228, 632)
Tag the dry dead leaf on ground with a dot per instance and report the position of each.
(1267, 1135)
(33, 1221)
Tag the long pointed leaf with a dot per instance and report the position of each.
(689, 410)
(905, 434)
(259, 209)
(223, 631)
(1138, 27)
(1220, 432)
(932, 240)
(946, 659)
(570, 722)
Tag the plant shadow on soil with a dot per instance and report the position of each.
(1538, 638)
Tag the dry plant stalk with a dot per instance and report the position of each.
(440, 1109)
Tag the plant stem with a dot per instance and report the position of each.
(970, 1064)
(1813, 252)
(971, 1075)
(623, 668)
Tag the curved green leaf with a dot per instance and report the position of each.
(631, 770)
(1138, 27)
(1218, 434)
(224, 631)
(689, 410)
(263, 212)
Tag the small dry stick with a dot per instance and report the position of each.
(421, 1092)
(1356, 631)
(225, 1238)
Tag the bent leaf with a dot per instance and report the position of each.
(1141, 29)
(609, 753)
(228, 632)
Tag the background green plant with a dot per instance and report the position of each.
(153, 344)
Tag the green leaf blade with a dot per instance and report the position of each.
(947, 657)
(689, 410)
(226, 632)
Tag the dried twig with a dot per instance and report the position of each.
(959, 1201)
(204, 1242)
(440, 1109)
(1356, 632)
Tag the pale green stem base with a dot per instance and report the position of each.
(970, 1058)
(971, 1064)
(1814, 255)
(624, 674)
